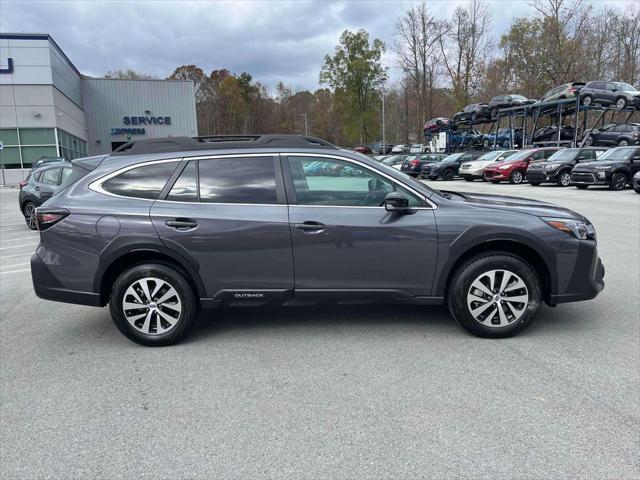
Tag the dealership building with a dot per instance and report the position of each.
(48, 108)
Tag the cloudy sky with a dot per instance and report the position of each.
(272, 40)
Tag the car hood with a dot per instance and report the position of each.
(478, 163)
(521, 205)
(591, 166)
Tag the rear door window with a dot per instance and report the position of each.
(146, 181)
(249, 180)
(51, 177)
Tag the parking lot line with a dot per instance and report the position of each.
(3, 237)
(16, 255)
(15, 265)
(19, 246)
(15, 271)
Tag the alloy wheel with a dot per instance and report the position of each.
(621, 103)
(517, 177)
(30, 215)
(152, 306)
(586, 101)
(565, 179)
(623, 143)
(497, 298)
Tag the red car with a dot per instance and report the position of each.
(363, 149)
(514, 167)
(436, 124)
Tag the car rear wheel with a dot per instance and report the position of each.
(618, 181)
(623, 143)
(29, 212)
(621, 103)
(535, 184)
(564, 179)
(582, 187)
(494, 295)
(153, 305)
(468, 179)
(587, 100)
(516, 177)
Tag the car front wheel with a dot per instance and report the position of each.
(621, 103)
(448, 174)
(494, 295)
(587, 100)
(623, 143)
(153, 304)
(29, 212)
(618, 181)
(516, 177)
(564, 179)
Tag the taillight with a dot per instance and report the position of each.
(48, 217)
(415, 162)
(573, 90)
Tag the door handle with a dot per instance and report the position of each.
(181, 223)
(309, 226)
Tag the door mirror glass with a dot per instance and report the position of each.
(396, 202)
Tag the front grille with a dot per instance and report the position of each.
(535, 175)
(489, 173)
(426, 170)
(578, 177)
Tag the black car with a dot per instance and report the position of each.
(168, 227)
(620, 134)
(394, 159)
(619, 94)
(557, 168)
(550, 133)
(506, 101)
(385, 149)
(615, 167)
(636, 182)
(40, 186)
(449, 166)
(413, 164)
(473, 112)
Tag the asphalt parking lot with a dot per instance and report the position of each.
(366, 392)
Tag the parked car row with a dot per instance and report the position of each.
(617, 167)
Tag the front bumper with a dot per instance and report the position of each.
(542, 176)
(495, 175)
(589, 178)
(587, 278)
(47, 287)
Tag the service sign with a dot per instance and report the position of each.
(134, 125)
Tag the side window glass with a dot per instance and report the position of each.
(238, 180)
(186, 187)
(331, 182)
(141, 182)
(65, 174)
(51, 177)
(37, 176)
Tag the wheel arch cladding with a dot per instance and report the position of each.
(461, 252)
(119, 263)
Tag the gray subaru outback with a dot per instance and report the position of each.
(166, 227)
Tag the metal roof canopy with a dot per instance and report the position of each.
(220, 142)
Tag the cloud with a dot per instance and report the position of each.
(272, 40)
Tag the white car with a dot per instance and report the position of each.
(416, 148)
(398, 148)
(472, 170)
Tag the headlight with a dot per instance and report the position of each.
(551, 166)
(580, 229)
(504, 167)
(604, 167)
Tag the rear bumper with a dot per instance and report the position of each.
(48, 287)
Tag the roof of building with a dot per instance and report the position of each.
(39, 36)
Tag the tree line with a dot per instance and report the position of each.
(442, 65)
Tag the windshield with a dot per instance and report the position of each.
(624, 154)
(393, 159)
(518, 97)
(451, 158)
(625, 87)
(518, 156)
(566, 154)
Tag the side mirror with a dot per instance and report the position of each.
(396, 202)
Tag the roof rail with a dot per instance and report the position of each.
(218, 142)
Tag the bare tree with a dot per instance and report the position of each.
(418, 35)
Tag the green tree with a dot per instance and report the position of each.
(355, 73)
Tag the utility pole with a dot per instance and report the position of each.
(384, 143)
(306, 124)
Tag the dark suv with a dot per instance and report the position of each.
(615, 168)
(617, 134)
(413, 164)
(473, 113)
(170, 226)
(449, 166)
(619, 94)
(39, 186)
(557, 169)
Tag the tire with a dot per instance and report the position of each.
(582, 187)
(29, 212)
(448, 175)
(485, 144)
(623, 143)
(535, 184)
(587, 100)
(516, 177)
(469, 289)
(621, 103)
(131, 283)
(494, 112)
(589, 141)
(469, 179)
(564, 178)
(617, 181)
